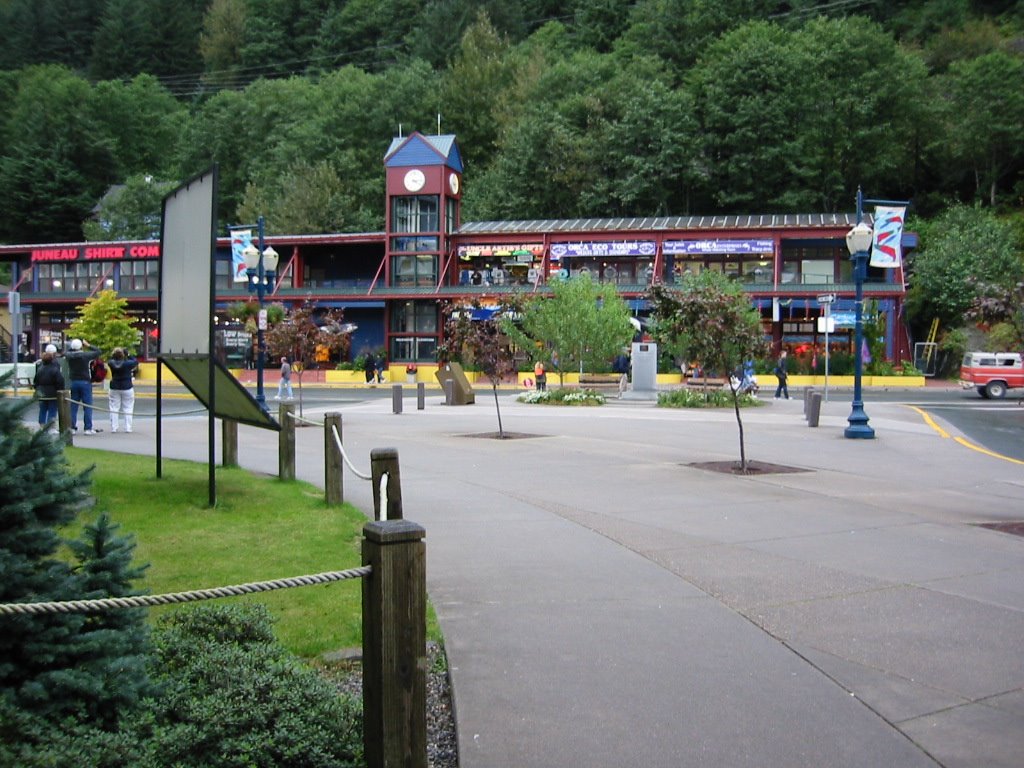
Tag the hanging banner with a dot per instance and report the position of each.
(885, 242)
(240, 240)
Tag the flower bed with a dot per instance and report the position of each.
(563, 397)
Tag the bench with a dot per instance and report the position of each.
(25, 375)
(604, 382)
(705, 383)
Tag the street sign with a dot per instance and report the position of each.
(826, 298)
(826, 325)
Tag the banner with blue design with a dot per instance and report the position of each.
(888, 232)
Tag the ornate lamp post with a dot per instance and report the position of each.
(858, 241)
(260, 266)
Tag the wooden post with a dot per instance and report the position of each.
(396, 398)
(229, 443)
(286, 442)
(384, 461)
(394, 645)
(421, 395)
(64, 416)
(334, 472)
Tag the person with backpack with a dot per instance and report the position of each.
(782, 374)
(80, 371)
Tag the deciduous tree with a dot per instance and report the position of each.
(710, 319)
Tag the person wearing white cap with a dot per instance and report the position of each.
(79, 361)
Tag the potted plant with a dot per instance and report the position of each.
(410, 372)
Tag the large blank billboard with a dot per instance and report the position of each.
(187, 248)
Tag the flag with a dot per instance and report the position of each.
(240, 240)
(885, 241)
(865, 352)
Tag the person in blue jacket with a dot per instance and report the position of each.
(122, 388)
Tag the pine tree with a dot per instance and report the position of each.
(88, 667)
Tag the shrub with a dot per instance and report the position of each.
(232, 696)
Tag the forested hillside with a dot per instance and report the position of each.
(586, 108)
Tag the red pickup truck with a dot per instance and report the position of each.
(992, 373)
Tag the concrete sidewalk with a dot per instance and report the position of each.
(606, 604)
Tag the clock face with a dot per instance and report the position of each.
(453, 183)
(414, 180)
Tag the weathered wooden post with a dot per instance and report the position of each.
(394, 645)
(334, 474)
(64, 416)
(808, 391)
(384, 462)
(421, 396)
(814, 409)
(286, 443)
(229, 443)
(396, 398)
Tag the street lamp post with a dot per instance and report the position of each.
(858, 241)
(260, 266)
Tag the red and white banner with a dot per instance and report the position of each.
(888, 232)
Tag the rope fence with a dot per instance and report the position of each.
(146, 601)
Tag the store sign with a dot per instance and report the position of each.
(524, 252)
(602, 249)
(97, 253)
(700, 247)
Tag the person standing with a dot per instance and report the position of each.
(285, 384)
(49, 381)
(79, 361)
(540, 376)
(122, 389)
(782, 374)
(369, 367)
(378, 366)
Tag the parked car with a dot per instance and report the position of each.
(992, 373)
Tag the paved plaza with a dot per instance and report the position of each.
(606, 604)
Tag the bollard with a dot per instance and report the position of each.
(286, 442)
(421, 396)
(229, 443)
(449, 391)
(394, 645)
(813, 409)
(384, 463)
(64, 416)
(396, 398)
(808, 391)
(334, 474)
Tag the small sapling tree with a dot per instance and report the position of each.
(710, 320)
(482, 342)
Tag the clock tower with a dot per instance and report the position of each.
(424, 192)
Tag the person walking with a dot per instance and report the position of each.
(285, 383)
(378, 367)
(122, 389)
(48, 381)
(782, 374)
(79, 362)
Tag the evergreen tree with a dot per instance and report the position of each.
(59, 668)
(37, 495)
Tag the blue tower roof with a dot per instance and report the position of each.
(417, 149)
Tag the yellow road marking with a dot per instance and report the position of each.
(987, 452)
(930, 422)
(966, 443)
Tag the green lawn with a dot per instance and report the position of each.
(261, 529)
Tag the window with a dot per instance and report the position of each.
(414, 317)
(139, 276)
(72, 277)
(450, 216)
(409, 271)
(416, 213)
(413, 243)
